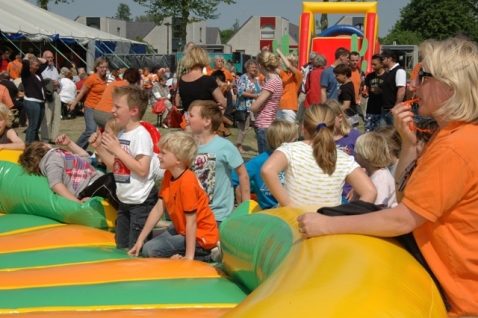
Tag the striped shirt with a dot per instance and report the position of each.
(306, 183)
(267, 114)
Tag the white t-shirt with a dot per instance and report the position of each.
(68, 90)
(382, 180)
(131, 188)
(306, 183)
(400, 76)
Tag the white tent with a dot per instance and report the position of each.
(20, 19)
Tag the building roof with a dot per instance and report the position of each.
(212, 34)
(139, 29)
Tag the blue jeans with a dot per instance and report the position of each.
(89, 129)
(131, 219)
(386, 117)
(171, 243)
(261, 139)
(372, 122)
(35, 113)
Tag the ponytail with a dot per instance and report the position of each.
(324, 149)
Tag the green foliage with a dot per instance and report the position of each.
(44, 3)
(144, 18)
(226, 35)
(435, 19)
(402, 38)
(236, 26)
(123, 12)
(188, 10)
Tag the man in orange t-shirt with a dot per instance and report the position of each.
(15, 67)
(5, 97)
(291, 81)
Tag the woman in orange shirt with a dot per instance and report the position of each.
(438, 189)
(93, 88)
(102, 112)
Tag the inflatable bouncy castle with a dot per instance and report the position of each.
(58, 259)
(350, 37)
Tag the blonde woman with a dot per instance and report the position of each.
(315, 171)
(291, 79)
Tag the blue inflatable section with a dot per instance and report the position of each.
(342, 29)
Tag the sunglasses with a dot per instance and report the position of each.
(422, 74)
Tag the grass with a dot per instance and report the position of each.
(74, 127)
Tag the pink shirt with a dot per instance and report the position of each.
(267, 114)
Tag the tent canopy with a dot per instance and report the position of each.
(20, 19)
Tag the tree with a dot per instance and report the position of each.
(123, 12)
(144, 18)
(44, 3)
(236, 26)
(402, 38)
(436, 19)
(228, 33)
(188, 11)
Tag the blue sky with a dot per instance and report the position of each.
(388, 10)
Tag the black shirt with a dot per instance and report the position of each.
(347, 93)
(201, 89)
(375, 102)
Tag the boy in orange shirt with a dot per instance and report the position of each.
(193, 232)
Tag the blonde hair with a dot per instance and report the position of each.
(450, 61)
(292, 58)
(136, 96)
(195, 56)
(280, 131)
(111, 124)
(98, 62)
(373, 148)
(323, 144)
(268, 60)
(182, 145)
(6, 114)
(391, 135)
(345, 126)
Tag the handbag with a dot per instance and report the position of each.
(240, 115)
(159, 107)
(174, 118)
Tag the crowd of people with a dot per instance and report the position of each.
(418, 175)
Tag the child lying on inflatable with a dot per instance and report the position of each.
(69, 174)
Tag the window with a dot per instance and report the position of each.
(267, 32)
(118, 31)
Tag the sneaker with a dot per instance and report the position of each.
(165, 126)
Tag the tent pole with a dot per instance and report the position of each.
(58, 51)
(117, 57)
(104, 54)
(84, 48)
(20, 50)
(72, 51)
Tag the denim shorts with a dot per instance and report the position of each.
(131, 219)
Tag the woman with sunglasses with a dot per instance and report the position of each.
(439, 202)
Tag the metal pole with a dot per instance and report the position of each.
(20, 50)
(167, 24)
(116, 56)
(73, 51)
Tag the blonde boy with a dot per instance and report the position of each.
(193, 232)
(129, 156)
(216, 159)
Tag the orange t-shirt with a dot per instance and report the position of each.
(291, 84)
(97, 86)
(227, 74)
(106, 102)
(5, 97)
(357, 81)
(185, 195)
(444, 190)
(149, 79)
(415, 71)
(15, 68)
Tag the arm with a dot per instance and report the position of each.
(244, 182)
(84, 91)
(276, 163)
(286, 62)
(362, 185)
(400, 95)
(63, 191)
(153, 218)
(345, 105)
(64, 140)
(6, 99)
(139, 164)
(401, 82)
(106, 157)
(191, 228)
(386, 223)
(257, 104)
(323, 94)
(16, 142)
(219, 98)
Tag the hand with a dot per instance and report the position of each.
(221, 107)
(95, 140)
(55, 82)
(178, 256)
(85, 199)
(110, 143)
(402, 116)
(350, 196)
(63, 140)
(134, 251)
(312, 224)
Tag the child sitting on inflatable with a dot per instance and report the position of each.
(371, 152)
(279, 132)
(8, 136)
(69, 174)
(193, 232)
